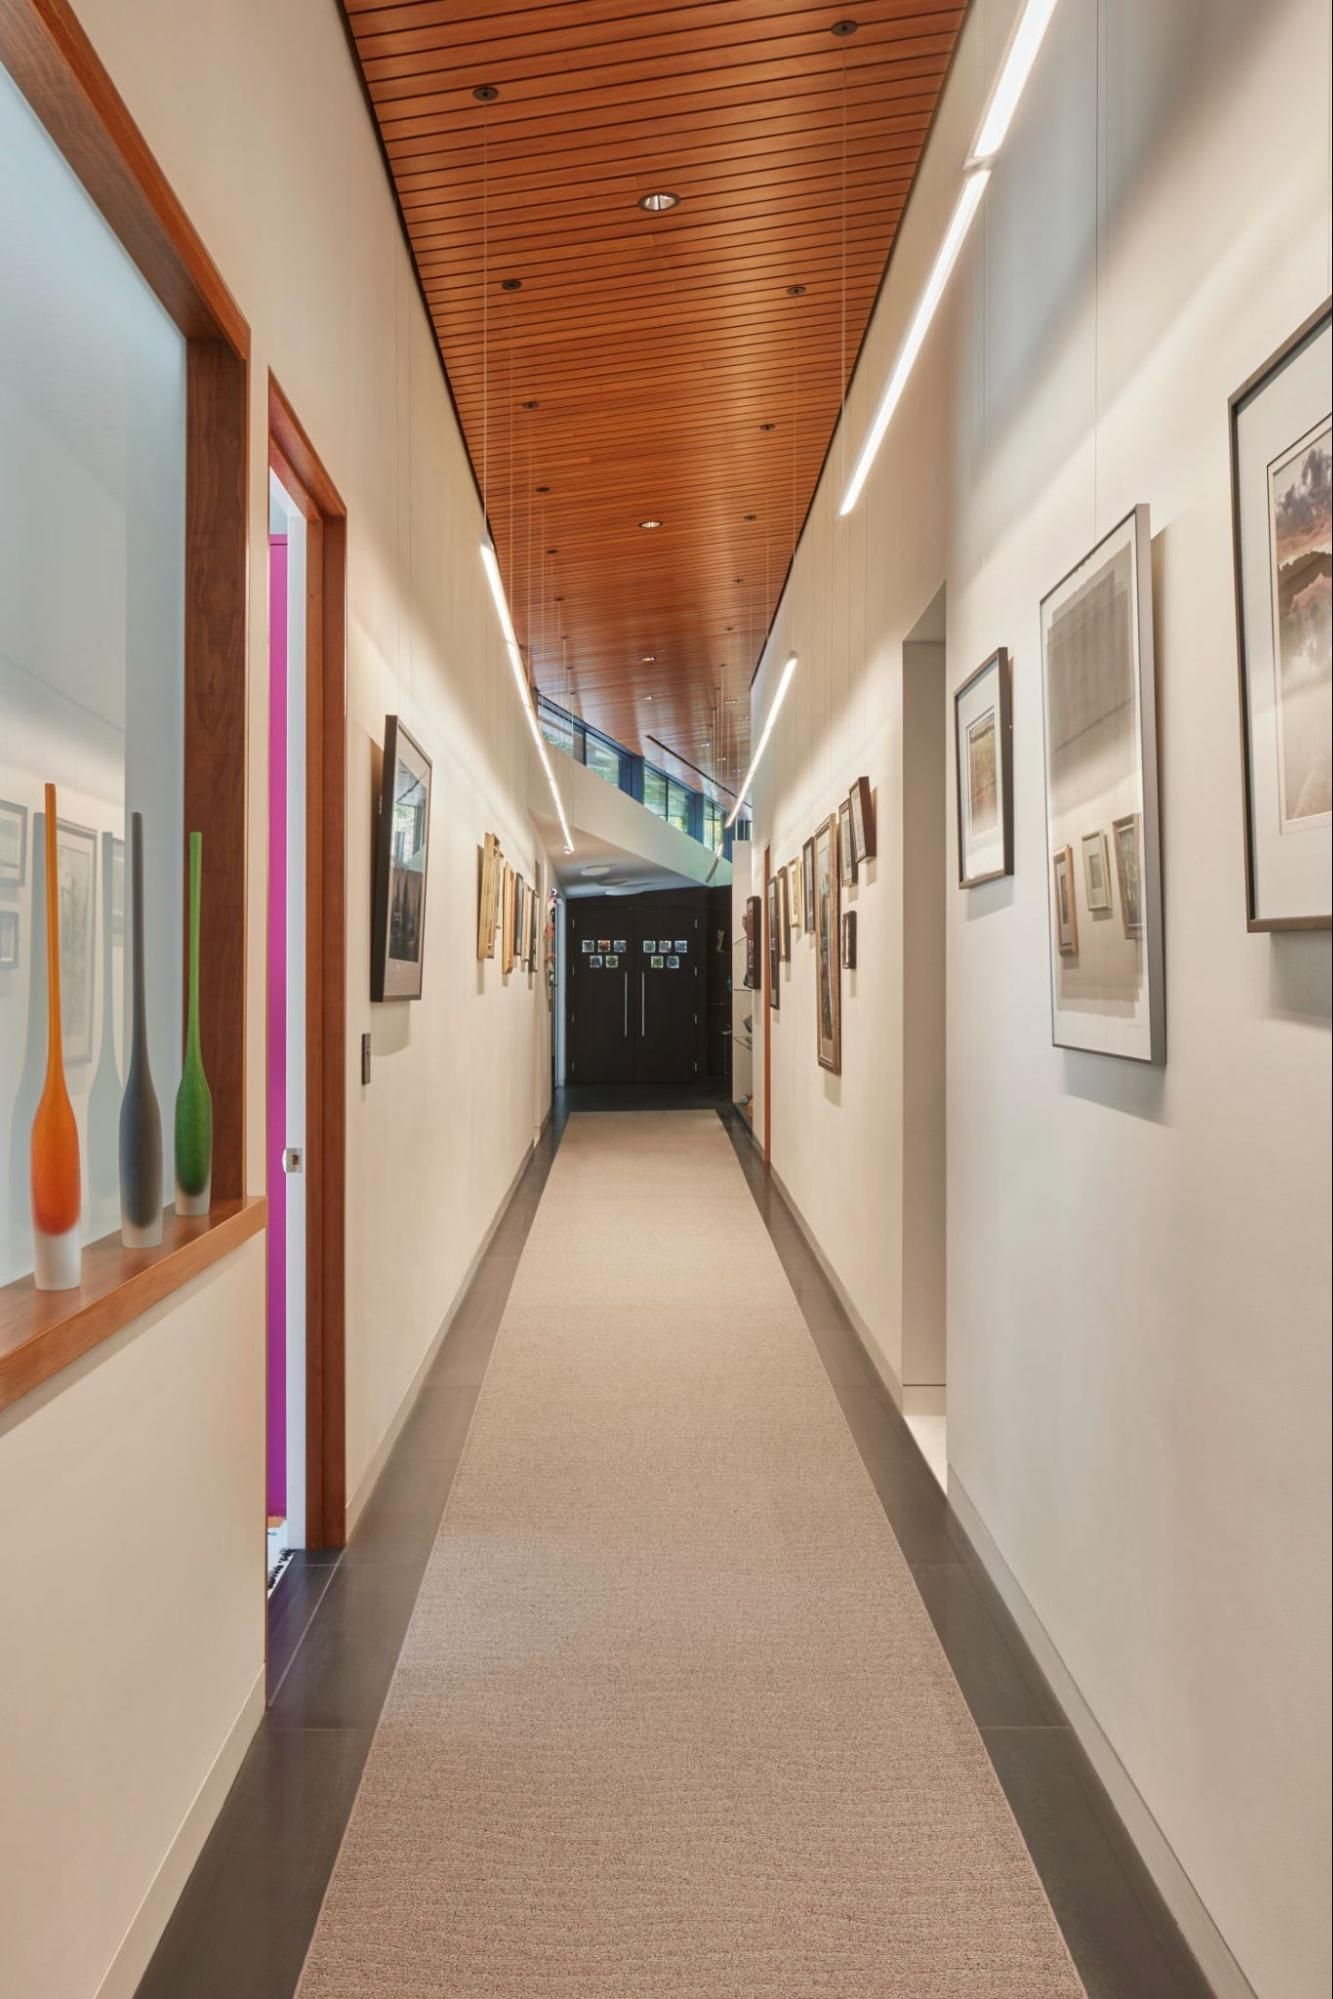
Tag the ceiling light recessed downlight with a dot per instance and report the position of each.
(647, 659)
(596, 868)
(659, 203)
(511, 284)
(485, 93)
(650, 523)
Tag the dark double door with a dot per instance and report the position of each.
(635, 990)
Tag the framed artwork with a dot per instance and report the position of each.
(13, 844)
(490, 861)
(612, 960)
(656, 961)
(681, 944)
(1281, 449)
(784, 914)
(507, 923)
(76, 866)
(402, 847)
(808, 883)
(595, 962)
(1097, 873)
(774, 939)
(586, 944)
(673, 962)
(846, 844)
(9, 940)
(1066, 908)
(983, 770)
(828, 972)
(619, 945)
(1099, 713)
(117, 871)
(753, 921)
(849, 940)
(863, 820)
(1125, 833)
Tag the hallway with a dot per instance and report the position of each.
(670, 1714)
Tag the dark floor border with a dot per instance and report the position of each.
(244, 1921)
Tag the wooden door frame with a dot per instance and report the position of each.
(302, 474)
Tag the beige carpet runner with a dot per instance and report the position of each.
(670, 1718)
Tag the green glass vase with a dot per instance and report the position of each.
(194, 1102)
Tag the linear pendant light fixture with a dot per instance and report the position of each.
(785, 682)
(491, 564)
(1003, 102)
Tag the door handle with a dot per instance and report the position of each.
(643, 1003)
(293, 1160)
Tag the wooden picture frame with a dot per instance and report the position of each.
(1128, 869)
(862, 802)
(808, 883)
(849, 940)
(774, 940)
(1097, 873)
(1066, 902)
(846, 845)
(983, 773)
(486, 886)
(784, 914)
(794, 895)
(398, 924)
(828, 972)
(1278, 421)
(507, 922)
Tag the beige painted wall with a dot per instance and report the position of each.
(1138, 1262)
(111, 1721)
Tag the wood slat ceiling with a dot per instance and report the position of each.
(651, 366)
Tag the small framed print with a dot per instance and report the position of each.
(657, 961)
(793, 874)
(1097, 873)
(596, 961)
(612, 961)
(784, 915)
(828, 973)
(9, 940)
(603, 943)
(586, 945)
(76, 860)
(681, 944)
(13, 843)
(808, 883)
(650, 944)
(774, 940)
(673, 962)
(846, 844)
(863, 820)
(1125, 833)
(849, 940)
(1282, 524)
(619, 946)
(754, 923)
(983, 763)
(1066, 910)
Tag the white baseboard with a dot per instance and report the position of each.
(154, 1912)
(863, 1332)
(370, 1477)
(1182, 1898)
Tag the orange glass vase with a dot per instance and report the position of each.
(57, 1197)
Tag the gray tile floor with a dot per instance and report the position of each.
(244, 1921)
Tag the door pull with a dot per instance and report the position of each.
(293, 1160)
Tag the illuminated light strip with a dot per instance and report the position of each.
(1003, 102)
(491, 564)
(968, 202)
(785, 682)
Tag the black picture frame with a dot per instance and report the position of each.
(849, 940)
(754, 921)
(774, 942)
(996, 666)
(399, 909)
(1244, 398)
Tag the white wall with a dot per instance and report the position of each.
(256, 116)
(1138, 1267)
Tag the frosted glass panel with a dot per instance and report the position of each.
(92, 557)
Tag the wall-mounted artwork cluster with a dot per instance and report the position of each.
(508, 911)
(804, 899)
(56, 1176)
(1099, 710)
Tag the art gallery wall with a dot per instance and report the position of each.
(256, 116)
(1138, 1259)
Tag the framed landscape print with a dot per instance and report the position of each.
(1100, 717)
(784, 914)
(983, 765)
(402, 844)
(1281, 449)
(863, 820)
(1066, 910)
(828, 972)
(846, 844)
(774, 939)
(753, 925)
(1126, 835)
(794, 894)
(849, 940)
(490, 854)
(808, 884)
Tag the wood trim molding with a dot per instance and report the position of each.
(41, 1332)
(56, 67)
(294, 459)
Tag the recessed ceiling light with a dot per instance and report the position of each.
(648, 659)
(553, 551)
(597, 868)
(768, 426)
(647, 697)
(844, 28)
(796, 291)
(485, 93)
(650, 524)
(541, 489)
(532, 406)
(511, 284)
(752, 517)
(658, 204)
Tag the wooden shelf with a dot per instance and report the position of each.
(41, 1332)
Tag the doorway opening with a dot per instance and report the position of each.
(305, 999)
(925, 862)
